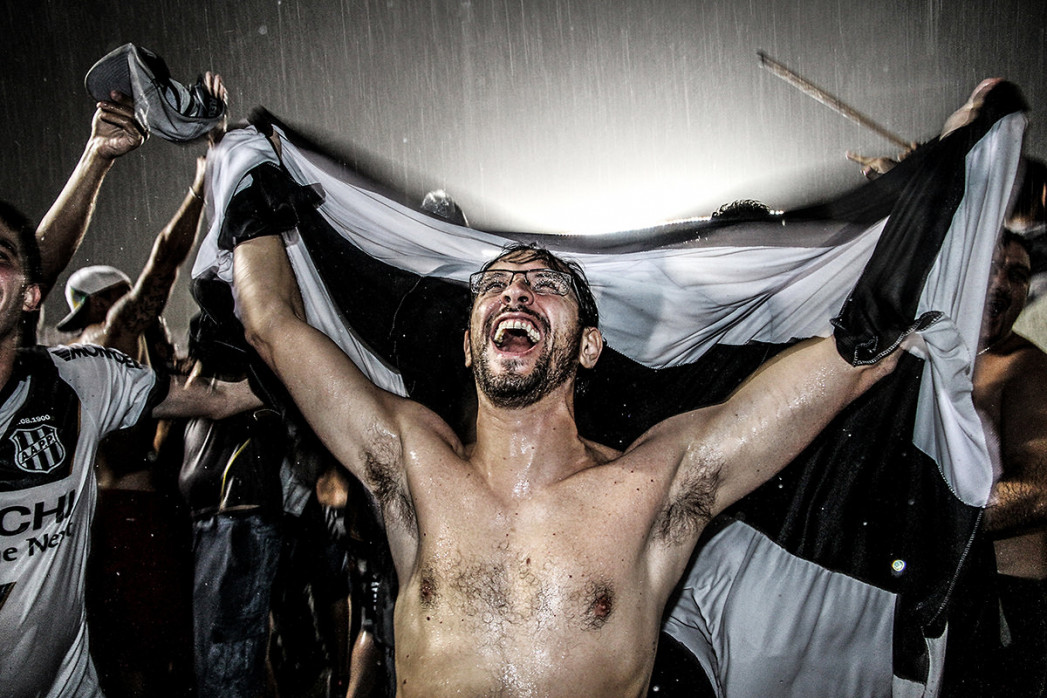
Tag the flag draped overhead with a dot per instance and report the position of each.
(835, 576)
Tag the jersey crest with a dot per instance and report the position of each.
(38, 446)
(38, 449)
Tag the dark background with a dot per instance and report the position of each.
(547, 115)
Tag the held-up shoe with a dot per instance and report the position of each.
(162, 105)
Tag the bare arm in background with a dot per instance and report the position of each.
(203, 398)
(131, 315)
(114, 132)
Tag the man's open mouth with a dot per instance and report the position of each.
(515, 334)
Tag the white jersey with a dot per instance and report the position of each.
(54, 410)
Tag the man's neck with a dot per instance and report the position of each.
(533, 446)
(996, 344)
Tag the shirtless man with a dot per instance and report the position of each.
(1009, 379)
(534, 562)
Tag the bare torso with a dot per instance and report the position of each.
(535, 563)
(556, 589)
(1002, 381)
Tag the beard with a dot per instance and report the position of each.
(514, 390)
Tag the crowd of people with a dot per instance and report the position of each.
(254, 517)
(215, 566)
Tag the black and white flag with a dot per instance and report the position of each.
(835, 577)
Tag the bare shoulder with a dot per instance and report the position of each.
(395, 454)
(104, 335)
(419, 425)
(1026, 374)
(1031, 354)
(1025, 363)
(682, 437)
(410, 435)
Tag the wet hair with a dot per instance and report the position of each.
(1009, 236)
(439, 203)
(588, 314)
(29, 248)
(1029, 207)
(743, 210)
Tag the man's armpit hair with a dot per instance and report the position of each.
(386, 483)
(691, 509)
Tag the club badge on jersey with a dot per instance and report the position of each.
(38, 449)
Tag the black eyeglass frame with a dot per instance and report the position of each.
(567, 280)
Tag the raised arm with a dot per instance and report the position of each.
(873, 166)
(114, 132)
(729, 449)
(362, 425)
(726, 451)
(133, 313)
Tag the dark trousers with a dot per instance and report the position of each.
(235, 563)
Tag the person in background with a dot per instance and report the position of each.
(230, 480)
(1009, 379)
(139, 583)
(139, 586)
(998, 639)
(56, 406)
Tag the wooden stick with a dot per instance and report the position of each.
(829, 100)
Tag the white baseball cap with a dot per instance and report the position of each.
(83, 284)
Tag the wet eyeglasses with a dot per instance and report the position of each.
(544, 282)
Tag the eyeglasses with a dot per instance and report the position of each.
(544, 282)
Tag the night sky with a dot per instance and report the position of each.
(551, 115)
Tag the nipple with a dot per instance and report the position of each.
(601, 606)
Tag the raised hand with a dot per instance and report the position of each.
(874, 167)
(969, 111)
(213, 83)
(114, 129)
